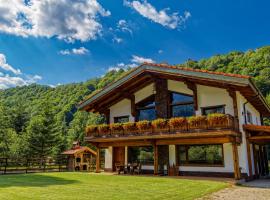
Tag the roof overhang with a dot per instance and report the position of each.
(148, 72)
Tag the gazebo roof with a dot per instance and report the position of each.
(79, 149)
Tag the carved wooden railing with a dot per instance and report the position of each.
(199, 124)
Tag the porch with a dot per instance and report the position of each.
(257, 139)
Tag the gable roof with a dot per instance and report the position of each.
(79, 150)
(144, 73)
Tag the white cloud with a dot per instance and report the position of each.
(117, 39)
(79, 51)
(134, 62)
(17, 78)
(160, 51)
(68, 20)
(5, 66)
(123, 26)
(140, 60)
(172, 21)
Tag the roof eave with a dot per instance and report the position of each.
(232, 80)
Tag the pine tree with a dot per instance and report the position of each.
(43, 136)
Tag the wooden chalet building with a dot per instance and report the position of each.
(229, 145)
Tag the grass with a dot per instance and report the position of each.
(73, 186)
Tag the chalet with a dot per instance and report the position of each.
(202, 122)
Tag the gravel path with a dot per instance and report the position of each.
(240, 193)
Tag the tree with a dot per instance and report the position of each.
(43, 136)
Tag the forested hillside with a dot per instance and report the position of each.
(43, 121)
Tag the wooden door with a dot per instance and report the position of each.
(118, 156)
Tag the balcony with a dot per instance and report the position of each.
(163, 127)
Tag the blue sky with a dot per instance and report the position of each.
(65, 41)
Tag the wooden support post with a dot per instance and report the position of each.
(255, 159)
(155, 159)
(265, 160)
(98, 160)
(192, 86)
(232, 94)
(249, 159)
(237, 173)
(262, 160)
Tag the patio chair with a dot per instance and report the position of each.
(120, 168)
(138, 170)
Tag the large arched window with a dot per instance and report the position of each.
(146, 109)
(182, 105)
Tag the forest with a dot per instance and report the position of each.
(41, 121)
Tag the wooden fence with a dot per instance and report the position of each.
(30, 165)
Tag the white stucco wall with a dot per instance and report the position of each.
(122, 108)
(180, 87)
(242, 150)
(144, 92)
(211, 96)
(108, 158)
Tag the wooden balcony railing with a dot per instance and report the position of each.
(161, 126)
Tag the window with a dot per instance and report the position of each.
(213, 109)
(200, 154)
(121, 119)
(143, 155)
(249, 117)
(146, 109)
(182, 105)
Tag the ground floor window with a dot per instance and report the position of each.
(143, 155)
(210, 155)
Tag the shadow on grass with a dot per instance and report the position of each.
(33, 180)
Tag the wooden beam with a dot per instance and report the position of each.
(192, 86)
(98, 160)
(237, 174)
(125, 143)
(255, 160)
(232, 94)
(265, 160)
(195, 141)
(178, 135)
(155, 158)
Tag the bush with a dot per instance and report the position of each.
(159, 123)
(143, 125)
(178, 122)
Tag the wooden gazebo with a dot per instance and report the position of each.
(80, 158)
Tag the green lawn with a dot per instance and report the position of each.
(73, 186)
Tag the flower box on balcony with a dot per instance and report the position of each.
(144, 126)
(130, 128)
(92, 131)
(160, 125)
(178, 124)
(104, 130)
(217, 120)
(116, 129)
(197, 122)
